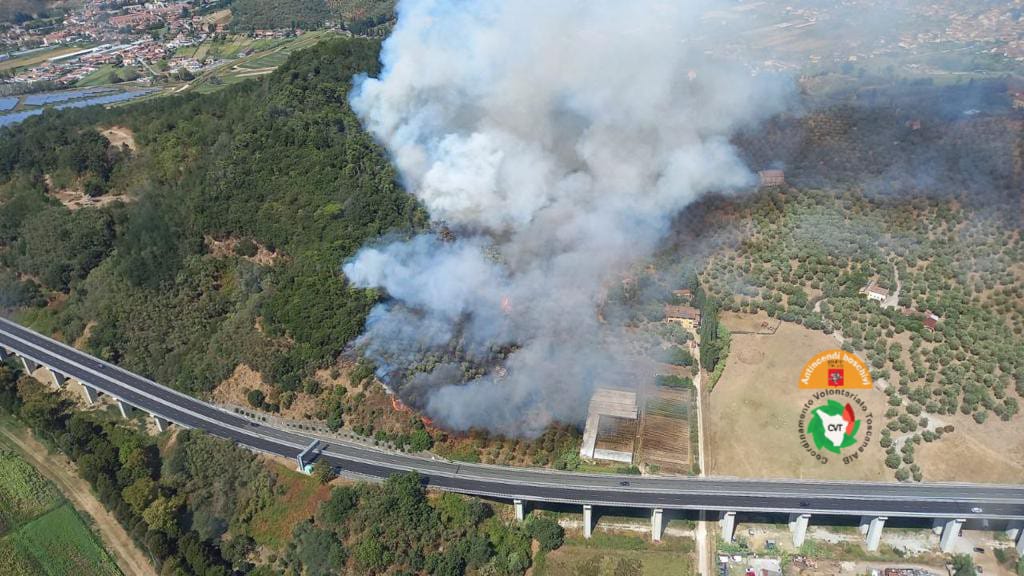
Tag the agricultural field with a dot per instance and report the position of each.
(40, 533)
(24, 494)
(262, 56)
(616, 434)
(665, 431)
(39, 57)
(753, 411)
(103, 75)
(57, 543)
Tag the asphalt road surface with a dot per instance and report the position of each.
(928, 500)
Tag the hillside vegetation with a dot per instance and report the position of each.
(358, 16)
(268, 14)
(23, 10)
(281, 163)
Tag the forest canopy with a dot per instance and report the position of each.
(280, 163)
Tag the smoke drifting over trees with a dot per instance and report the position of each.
(558, 139)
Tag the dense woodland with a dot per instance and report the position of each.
(19, 11)
(280, 163)
(358, 16)
(271, 14)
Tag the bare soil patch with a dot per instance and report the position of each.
(235, 388)
(336, 376)
(741, 323)
(120, 136)
(753, 412)
(750, 356)
(989, 452)
(75, 198)
(82, 340)
(226, 247)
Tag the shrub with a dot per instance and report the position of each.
(546, 532)
(256, 398)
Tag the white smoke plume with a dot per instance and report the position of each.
(558, 138)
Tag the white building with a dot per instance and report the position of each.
(876, 293)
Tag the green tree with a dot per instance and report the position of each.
(140, 494)
(323, 471)
(963, 565)
(162, 514)
(371, 555)
(337, 508)
(546, 531)
(256, 398)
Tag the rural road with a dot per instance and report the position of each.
(921, 500)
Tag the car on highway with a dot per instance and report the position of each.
(624, 483)
(976, 510)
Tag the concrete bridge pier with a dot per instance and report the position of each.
(307, 455)
(874, 531)
(950, 533)
(520, 507)
(91, 394)
(728, 524)
(1015, 532)
(58, 378)
(125, 408)
(161, 424)
(798, 526)
(29, 365)
(588, 521)
(657, 520)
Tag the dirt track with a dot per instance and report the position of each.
(129, 558)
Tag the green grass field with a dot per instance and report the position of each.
(24, 494)
(58, 543)
(40, 533)
(100, 77)
(618, 555)
(274, 59)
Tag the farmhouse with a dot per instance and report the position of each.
(683, 294)
(876, 292)
(930, 320)
(611, 426)
(688, 316)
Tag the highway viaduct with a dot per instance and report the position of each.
(948, 505)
